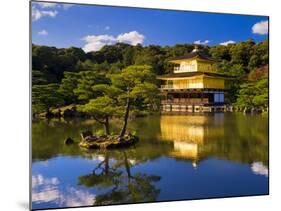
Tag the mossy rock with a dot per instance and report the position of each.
(68, 141)
(108, 142)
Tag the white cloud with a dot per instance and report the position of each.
(66, 6)
(53, 5)
(259, 168)
(107, 27)
(199, 42)
(47, 9)
(77, 198)
(37, 14)
(260, 28)
(96, 42)
(43, 32)
(46, 4)
(46, 190)
(132, 38)
(227, 42)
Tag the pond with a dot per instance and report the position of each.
(177, 157)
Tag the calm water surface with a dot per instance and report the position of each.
(178, 157)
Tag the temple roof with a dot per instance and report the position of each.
(194, 54)
(191, 74)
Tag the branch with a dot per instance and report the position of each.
(98, 120)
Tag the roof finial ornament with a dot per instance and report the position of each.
(196, 49)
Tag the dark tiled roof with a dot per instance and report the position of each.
(190, 74)
(194, 54)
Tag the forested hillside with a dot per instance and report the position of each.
(66, 76)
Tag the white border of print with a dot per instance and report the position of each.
(14, 106)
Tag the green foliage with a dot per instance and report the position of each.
(122, 71)
(44, 97)
(221, 52)
(242, 52)
(68, 85)
(99, 132)
(231, 69)
(38, 78)
(88, 65)
(86, 80)
(153, 56)
(253, 94)
(101, 107)
(261, 51)
(133, 132)
(55, 61)
(253, 62)
(128, 56)
(247, 54)
(133, 84)
(244, 60)
(137, 83)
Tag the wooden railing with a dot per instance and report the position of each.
(196, 101)
(184, 69)
(183, 86)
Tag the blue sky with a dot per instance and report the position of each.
(91, 27)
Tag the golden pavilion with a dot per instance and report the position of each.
(194, 85)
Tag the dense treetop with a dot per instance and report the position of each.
(77, 72)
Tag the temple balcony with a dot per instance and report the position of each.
(196, 101)
(184, 69)
(182, 86)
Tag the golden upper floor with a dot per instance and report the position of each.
(195, 70)
(194, 82)
(196, 61)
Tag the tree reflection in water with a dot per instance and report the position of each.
(124, 186)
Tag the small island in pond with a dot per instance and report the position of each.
(90, 141)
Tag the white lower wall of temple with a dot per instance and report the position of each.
(194, 108)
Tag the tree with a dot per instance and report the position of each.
(153, 56)
(121, 95)
(44, 97)
(261, 99)
(102, 109)
(78, 72)
(258, 73)
(89, 65)
(134, 82)
(242, 52)
(231, 69)
(86, 80)
(261, 50)
(128, 56)
(253, 94)
(68, 85)
(38, 78)
(54, 61)
(253, 62)
(220, 52)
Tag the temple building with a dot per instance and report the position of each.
(194, 85)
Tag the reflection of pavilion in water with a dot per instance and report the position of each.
(190, 134)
